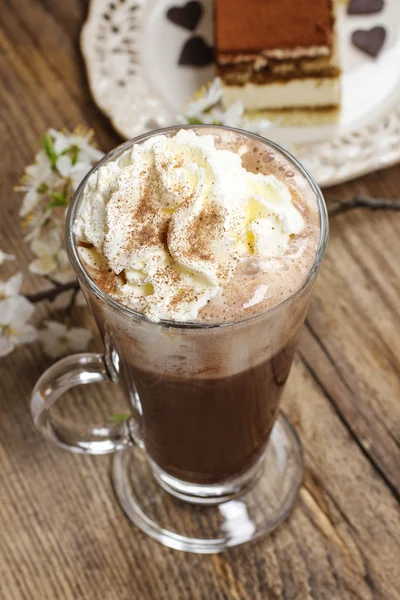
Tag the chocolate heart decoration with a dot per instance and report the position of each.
(365, 7)
(369, 41)
(187, 16)
(196, 53)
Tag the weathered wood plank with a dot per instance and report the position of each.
(354, 333)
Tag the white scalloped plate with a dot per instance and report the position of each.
(131, 52)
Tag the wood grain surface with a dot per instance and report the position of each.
(62, 534)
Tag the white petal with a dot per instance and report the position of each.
(233, 114)
(15, 311)
(31, 199)
(61, 142)
(62, 257)
(6, 345)
(79, 171)
(56, 329)
(65, 275)
(64, 165)
(80, 299)
(43, 266)
(54, 239)
(62, 300)
(79, 338)
(40, 171)
(25, 334)
(51, 339)
(64, 272)
(210, 96)
(260, 126)
(4, 257)
(12, 286)
(50, 243)
(40, 248)
(35, 223)
(89, 153)
(51, 345)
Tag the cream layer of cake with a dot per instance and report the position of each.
(295, 93)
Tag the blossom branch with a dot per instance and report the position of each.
(48, 185)
(336, 207)
(52, 293)
(71, 304)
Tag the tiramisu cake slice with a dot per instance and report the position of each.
(278, 54)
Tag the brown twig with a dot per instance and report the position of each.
(335, 206)
(52, 293)
(71, 304)
(53, 281)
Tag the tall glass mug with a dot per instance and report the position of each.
(205, 427)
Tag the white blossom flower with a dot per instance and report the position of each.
(231, 117)
(35, 221)
(11, 288)
(85, 152)
(207, 108)
(63, 157)
(37, 179)
(4, 257)
(14, 330)
(52, 259)
(258, 126)
(58, 340)
(233, 114)
(48, 185)
(64, 299)
(208, 97)
(73, 171)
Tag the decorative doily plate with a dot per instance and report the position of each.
(132, 56)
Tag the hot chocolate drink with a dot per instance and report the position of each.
(206, 430)
(201, 237)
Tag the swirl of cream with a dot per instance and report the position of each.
(174, 216)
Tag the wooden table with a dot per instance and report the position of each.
(62, 534)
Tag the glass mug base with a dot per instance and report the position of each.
(189, 518)
(208, 494)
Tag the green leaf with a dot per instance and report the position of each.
(42, 188)
(119, 417)
(73, 152)
(50, 205)
(58, 200)
(49, 149)
(194, 121)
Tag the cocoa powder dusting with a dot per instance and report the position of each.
(105, 280)
(202, 230)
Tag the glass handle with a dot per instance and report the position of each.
(69, 372)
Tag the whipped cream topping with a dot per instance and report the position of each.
(173, 217)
